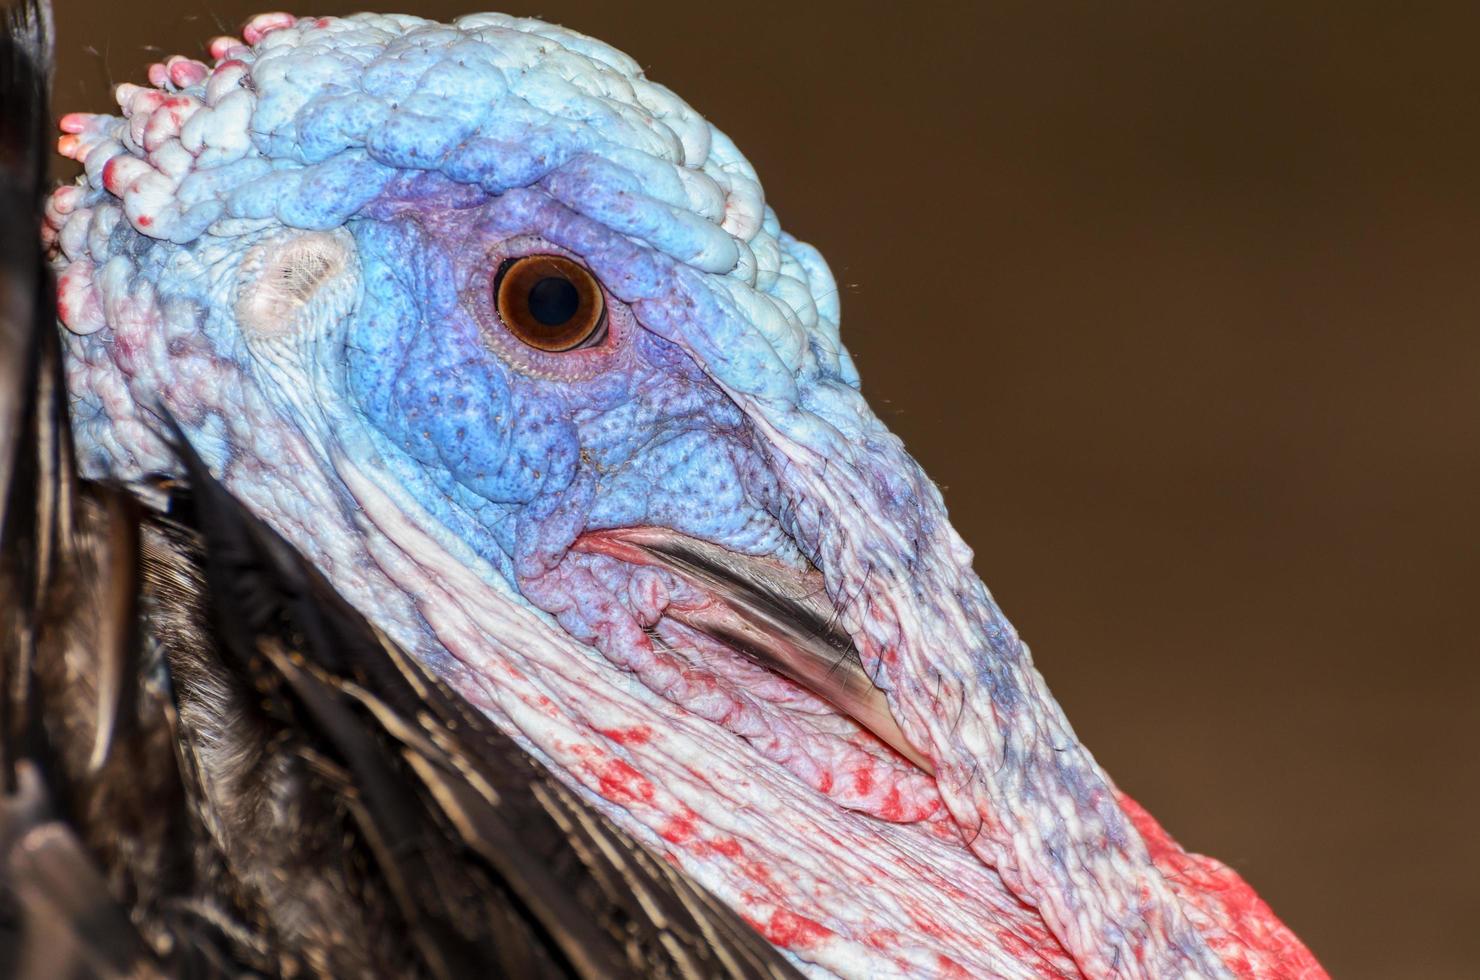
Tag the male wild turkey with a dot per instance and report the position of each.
(444, 536)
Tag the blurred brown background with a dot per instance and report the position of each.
(1180, 304)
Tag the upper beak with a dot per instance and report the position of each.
(775, 615)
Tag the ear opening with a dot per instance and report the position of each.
(289, 283)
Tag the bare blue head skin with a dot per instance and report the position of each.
(293, 251)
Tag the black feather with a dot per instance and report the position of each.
(32, 413)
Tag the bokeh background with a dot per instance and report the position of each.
(1179, 304)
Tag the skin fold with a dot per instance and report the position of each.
(293, 250)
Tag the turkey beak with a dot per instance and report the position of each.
(776, 616)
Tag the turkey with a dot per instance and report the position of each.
(446, 535)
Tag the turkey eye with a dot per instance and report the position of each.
(550, 302)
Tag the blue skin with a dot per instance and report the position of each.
(652, 442)
(721, 405)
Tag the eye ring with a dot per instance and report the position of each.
(550, 302)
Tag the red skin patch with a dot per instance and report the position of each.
(794, 931)
(185, 73)
(678, 830)
(950, 968)
(893, 808)
(1217, 891)
(1021, 948)
(636, 735)
(110, 178)
(263, 24)
(929, 928)
(761, 875)
(728, 846)
(620, 783)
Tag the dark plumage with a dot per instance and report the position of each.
(212, 764)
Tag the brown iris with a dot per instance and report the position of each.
(550, 302)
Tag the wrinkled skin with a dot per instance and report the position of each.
(292, 251)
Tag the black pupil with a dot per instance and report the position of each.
(553, 300)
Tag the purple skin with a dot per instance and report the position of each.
(293, 252)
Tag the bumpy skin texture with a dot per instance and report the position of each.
(291, 250)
